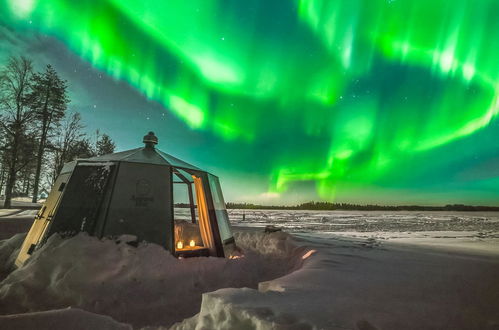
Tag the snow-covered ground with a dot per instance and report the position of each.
(17, 213)
(14, 221)
(472, 232)
(336, 270)
(367, 221)
(141, 286)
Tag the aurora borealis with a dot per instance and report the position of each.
(388, 101)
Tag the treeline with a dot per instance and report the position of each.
(38, 134)
(368, 207)
(183, 205)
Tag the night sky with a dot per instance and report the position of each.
(373, 101)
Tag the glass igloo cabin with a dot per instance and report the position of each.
(135, 192)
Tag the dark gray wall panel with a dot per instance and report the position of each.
(81, 200)
(141, 203)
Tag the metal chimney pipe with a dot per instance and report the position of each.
(150, 140)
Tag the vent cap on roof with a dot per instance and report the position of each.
(150, 140)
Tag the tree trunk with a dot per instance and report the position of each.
(41, 145)
(2, 179)
(27, 186)
(23, 186)
(9, 187)
(11, 180)
(60, 162)
(39, 158)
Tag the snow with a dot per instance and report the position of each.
(9, 249)
(17, 213)
(141, 286)
(68, 318)
(243, 309)
(352, 283)
(367, 221)
(337, 270)
(15, 221)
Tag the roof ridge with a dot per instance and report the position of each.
(163, 154)
(132, 153)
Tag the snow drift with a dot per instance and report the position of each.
(142, 286)
(9, 249)
(68, 318)
(364, 282)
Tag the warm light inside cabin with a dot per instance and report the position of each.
(192, 243)
(236, 257)
(180, 245)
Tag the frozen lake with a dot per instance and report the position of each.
(487, 223)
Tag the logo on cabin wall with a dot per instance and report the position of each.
(142, 195)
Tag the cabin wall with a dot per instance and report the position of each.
(141, 204)
(82, 199)
(115, 198)
(42, 219)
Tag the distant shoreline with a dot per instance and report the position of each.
(326, 206)
(321, 206)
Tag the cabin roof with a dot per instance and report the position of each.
(145, 155)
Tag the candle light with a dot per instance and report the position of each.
(192, 243)
(180, 245)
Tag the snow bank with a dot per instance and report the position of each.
(69, 318)
(9, 249)
(243, 308)
(246, 308)
(355, 284)
(141, 286)
(349, 283)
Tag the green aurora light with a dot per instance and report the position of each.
(355, 90)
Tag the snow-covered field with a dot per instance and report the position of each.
(368, 221)
(335, 270)
(473, 232)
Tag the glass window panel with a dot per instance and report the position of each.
(220, 210)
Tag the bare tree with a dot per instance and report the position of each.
(69, 134)
(3, 170)
(15, 116)
(27, 164)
